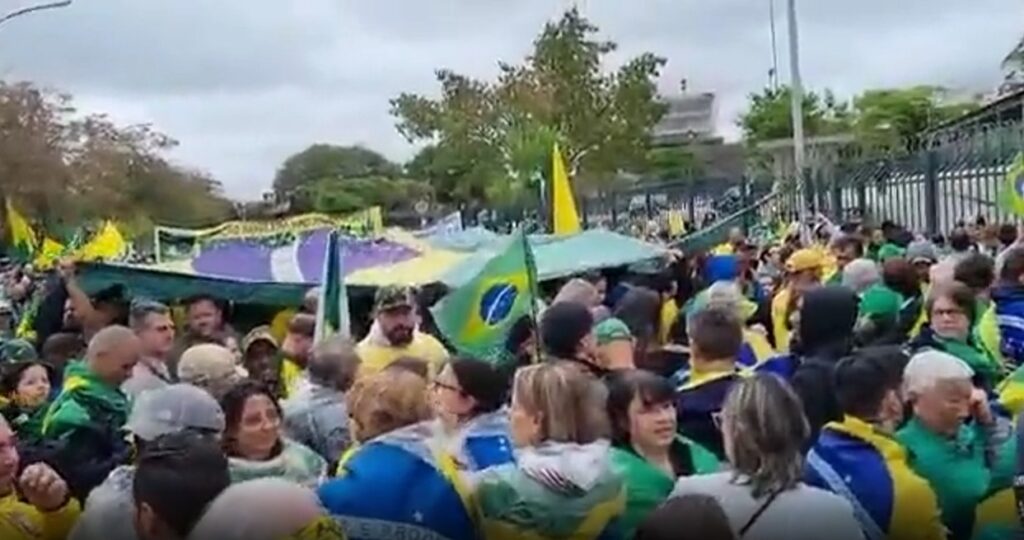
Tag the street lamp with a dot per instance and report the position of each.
(797, 95)
(33, 9)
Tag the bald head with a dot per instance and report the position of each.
(273, 508)
(112, 354)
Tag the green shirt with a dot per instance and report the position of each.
(954, 467)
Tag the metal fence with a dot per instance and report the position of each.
(930, 189)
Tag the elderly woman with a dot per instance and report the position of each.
(316, 415)
(563, 485)
(648, 452)
(255, 443)
(416, 488)
(763, 496)
(954, 441)
(951, 308)
(860, 275)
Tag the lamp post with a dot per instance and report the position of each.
(33, 9)
(797, 95)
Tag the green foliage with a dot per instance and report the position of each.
(891, 119)
(491, 141)
(301, 173)
(63, 169)
(673, 163)
(769, 116)
(351, 194)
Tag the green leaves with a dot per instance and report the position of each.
(489, 141)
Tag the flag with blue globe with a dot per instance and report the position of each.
(1011, 196)
(477, 316)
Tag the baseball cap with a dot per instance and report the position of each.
(922, 251)
(610, 330)
(208, 362)
(260, 333)
(391, 297)
(17, 350)
(804, 259)
(172, 409)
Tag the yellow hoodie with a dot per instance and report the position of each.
(22, 521)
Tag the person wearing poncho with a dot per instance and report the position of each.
(562, 485)
(86, 420)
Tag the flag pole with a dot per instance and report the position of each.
(531, 280)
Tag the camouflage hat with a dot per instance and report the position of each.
(17, 350)
(394, 296)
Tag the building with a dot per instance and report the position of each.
(690, 118)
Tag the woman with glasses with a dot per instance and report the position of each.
(952, 309)
(562, 485)
(648, 453)
(764, 431)
(254, 440)
(393, 483)
(467, 399)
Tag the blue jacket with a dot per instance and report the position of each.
(1009, 301)
(870, 470)
(396, 486)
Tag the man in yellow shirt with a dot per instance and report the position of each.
(803, 271)
(395, 335)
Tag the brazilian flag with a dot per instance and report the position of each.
(1011, 196)
(477, 316)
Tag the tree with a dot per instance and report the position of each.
(769, 115)
(64, 170)
(351, 194)
(892, 119)
(489, 141)
(302, 172)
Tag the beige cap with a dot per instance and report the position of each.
(208, 363)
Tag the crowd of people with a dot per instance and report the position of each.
(848, 382)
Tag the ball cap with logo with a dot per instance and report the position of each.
(390, 297)
(172, 409)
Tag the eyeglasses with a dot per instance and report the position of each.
(954, 312)
(445, 386)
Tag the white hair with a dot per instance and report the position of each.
(263, 509)
(725, 295)
(928, 368)
(860, 274)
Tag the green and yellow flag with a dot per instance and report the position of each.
(23, 238)
(1011, 196)
(107, 245)
(477, 316)
(566, 219)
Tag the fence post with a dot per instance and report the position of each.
(615, 210)
(745, 202)
(931, 188)
(585, 207)
(837, 198)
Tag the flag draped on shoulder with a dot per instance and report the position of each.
(23, 238)
(1011, 196)
(332, 314)
(566, 220)
(477, 316)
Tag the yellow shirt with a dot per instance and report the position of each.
(374, 357)
(290, 375)
(669, 313)
(22, 521)
(780, 329)
(279, 325)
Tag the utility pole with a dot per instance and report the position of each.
(33, 9)
(797, 95)
(773, 79)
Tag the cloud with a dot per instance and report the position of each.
(245, 83)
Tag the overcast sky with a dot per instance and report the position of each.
(245, 83)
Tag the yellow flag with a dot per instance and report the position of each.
(566, 220)
(675, 223)
(23, 238)
(49, 253)
(108, 244)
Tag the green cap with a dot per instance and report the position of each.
(890, 251)
(880, 301)
(610, 330)
(17, 350)
(394, 296)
